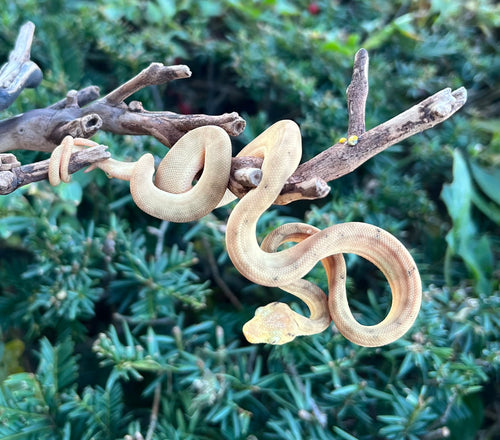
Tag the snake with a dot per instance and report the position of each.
(280, 146)
(173, 197)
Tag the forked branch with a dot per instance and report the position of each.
(81, 114)
(309, 180)
(19, 72)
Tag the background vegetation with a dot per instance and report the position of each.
(105, 311)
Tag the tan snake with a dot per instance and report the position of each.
(172, 196)
(280, 147)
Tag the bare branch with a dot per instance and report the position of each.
(155, 73)
(81, 115)
(19, 72)
(22, 175)
(357, 93)
(83, 97)
(342, 158)
(153, 420)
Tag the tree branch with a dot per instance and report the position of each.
(17, 175)
(81, 114)
(19, 72)
(357, 93)
(341, 159)
(309, 180)
(44, 129)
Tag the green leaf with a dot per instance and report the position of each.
(462, 239)
(15, 224)
(70, 192)
(342, 434)
(488, 180)
(487, 207)
(57, 370)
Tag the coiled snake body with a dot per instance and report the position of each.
(280, 147)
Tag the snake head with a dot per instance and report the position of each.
(272, 324)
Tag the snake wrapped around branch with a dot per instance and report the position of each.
(172, 197)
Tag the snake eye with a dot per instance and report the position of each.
(342, 140)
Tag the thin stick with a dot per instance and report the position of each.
(155, 73)
(357, 93)
(34, 172)
(153, 420)
(214, 268)
(19, 72)
(342, 158)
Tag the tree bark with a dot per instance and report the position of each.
(13, 175)
(19, 72)
(44, 129)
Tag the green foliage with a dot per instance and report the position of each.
(110, 318)
(462, 238)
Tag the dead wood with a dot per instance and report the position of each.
(81, 114)
(19, 71)
(309, 180)
(13, 175)
(44, 129)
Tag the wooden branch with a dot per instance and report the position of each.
(310, 179)
(81, 114)
(83, 97)
(44, 129)
(18, 176)
(341, 159)
(152, 75)
(19, 72)
(357, 93)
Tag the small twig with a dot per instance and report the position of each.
(443, 432)
(160, 236)
(34, 172)
(444, 417)
(167, 320)
(357, 93)
(155, 73)
(214, 268)
(83, 97)
(19, 72)
(153, 420)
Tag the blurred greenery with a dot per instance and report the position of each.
(106, 313)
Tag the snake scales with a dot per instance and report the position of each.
(172, 197)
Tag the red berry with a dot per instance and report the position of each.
(313, 8)
(184, 108)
